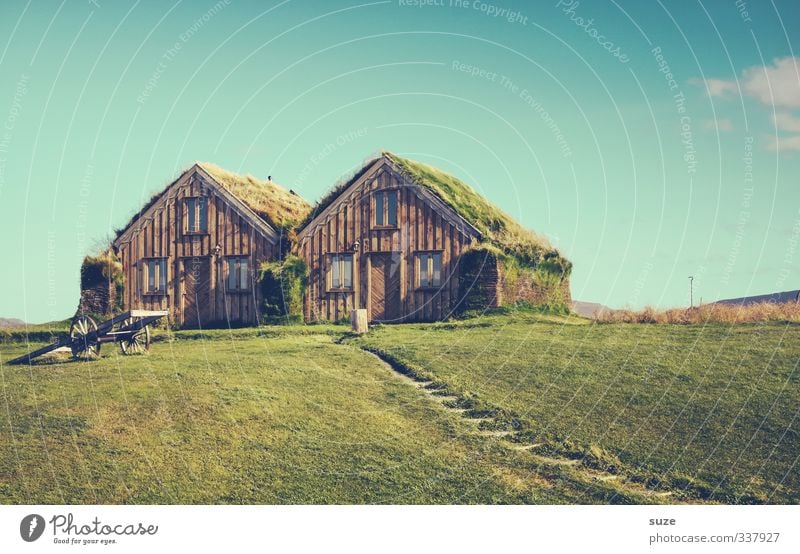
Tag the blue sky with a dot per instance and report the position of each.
(650, 141)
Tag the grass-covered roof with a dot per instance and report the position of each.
(498, 228)
(279, 207)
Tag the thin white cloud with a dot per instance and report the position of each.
(718, 87)
(785, 144)
(785, 121)
(723, 124)
(775, 85)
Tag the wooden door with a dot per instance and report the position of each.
(196, 279)
(384, 287)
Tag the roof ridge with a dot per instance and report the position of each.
(271, 203)
(279, 206)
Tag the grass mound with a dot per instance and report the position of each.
(101, 268)
(102, 284)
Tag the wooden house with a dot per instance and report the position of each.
(194, 248)
(408, 242)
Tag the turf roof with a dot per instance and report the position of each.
(497, 227)
(273, 203)
(280, 208)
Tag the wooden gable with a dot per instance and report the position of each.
(379, 167)
(382, 261)
(187, 269)
(209, 184)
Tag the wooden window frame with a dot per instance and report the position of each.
(249, 277)
(382, 196)
(338, 258)
(162, 281)
(429, 257)
(200, 210)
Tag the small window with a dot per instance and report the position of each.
(386, 208)
(378, 209)
(429, 266)
(191, 214)
(238, 274)
(154, 276)
(340, 272)
(391, 208)
(196, 214)
(203, 214)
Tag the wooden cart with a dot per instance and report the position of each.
(129, 329)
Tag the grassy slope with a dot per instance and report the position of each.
(35, 332)
(714, 408)
(231, 417)
(287, 415)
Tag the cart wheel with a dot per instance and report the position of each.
(138, 342)
(84, 348)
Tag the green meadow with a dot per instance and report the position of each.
(514, 408)
(705, 412)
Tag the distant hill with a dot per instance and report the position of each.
(11, 322)
(588, 309)
(775, 298)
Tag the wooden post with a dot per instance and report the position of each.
(358, 319)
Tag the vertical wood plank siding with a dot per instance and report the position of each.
(161, 234)
(419, 228)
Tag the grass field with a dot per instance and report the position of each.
(707, 412)
(232, 417)
(615, 413)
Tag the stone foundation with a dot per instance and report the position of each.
(488, 281)
(101, 285)
(98, 300)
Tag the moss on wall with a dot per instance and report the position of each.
(543, 286)
(283, 285)
(479, 279)
(490, 278)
